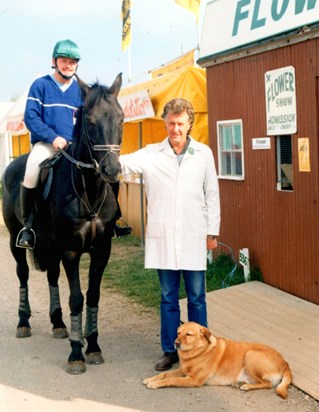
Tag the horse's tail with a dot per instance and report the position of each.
(282, 388)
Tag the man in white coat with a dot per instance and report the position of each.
(183, 218)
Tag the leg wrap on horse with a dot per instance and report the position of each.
(76, 333)
(54, 299)
(24, 307)
(91, 321)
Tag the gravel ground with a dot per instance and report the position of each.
(32, 370)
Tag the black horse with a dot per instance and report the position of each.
(75, 213)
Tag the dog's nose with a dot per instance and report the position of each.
(177, 344)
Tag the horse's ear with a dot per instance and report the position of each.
(116, 86)
(83, 86)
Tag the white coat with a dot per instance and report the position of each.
(182, 203)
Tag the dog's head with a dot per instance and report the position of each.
(192, 335)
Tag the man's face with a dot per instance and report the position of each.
(66, 66)
(177, 126)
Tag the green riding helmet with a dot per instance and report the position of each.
(66, 48)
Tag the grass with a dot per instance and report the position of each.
(125, 272)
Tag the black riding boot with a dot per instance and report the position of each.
(26, 237)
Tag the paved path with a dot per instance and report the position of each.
(32, 370)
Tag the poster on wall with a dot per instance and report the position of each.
(303, 154)
(280, 92)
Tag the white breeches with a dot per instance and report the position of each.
(39, 152)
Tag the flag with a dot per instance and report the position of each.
(126, 23)
(191, 5)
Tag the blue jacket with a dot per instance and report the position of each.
(51, 112)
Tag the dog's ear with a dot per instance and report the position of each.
(204, 331)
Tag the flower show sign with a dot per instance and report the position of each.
(229, 24)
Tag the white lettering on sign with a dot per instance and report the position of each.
(280, 93)
(247, 21)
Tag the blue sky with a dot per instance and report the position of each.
(161, 31)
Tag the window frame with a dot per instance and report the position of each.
(219, 125)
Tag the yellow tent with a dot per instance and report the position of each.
(188, 83)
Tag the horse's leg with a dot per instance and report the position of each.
(59, 329)
(76, 363)
(99, 259)
(22, 270)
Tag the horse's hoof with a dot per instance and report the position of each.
(76, 367)
(60, 333)
(94, 358)
(23, 332)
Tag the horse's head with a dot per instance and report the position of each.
(102, 120)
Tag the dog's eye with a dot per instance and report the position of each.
(189, 334)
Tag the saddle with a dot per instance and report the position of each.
(46, 174)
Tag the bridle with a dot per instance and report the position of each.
(109, 149)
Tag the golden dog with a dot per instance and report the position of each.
(210, 360)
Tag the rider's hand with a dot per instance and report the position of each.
(59, 143)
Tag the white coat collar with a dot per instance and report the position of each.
(166, 147)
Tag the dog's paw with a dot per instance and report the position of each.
(244, 387)
(145, 381)
(152, 385)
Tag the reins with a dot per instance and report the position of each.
(78, 163)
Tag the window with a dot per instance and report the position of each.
(285, 179)
(230, 149)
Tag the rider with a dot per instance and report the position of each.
(51, 115)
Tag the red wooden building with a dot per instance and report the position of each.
(263, 114)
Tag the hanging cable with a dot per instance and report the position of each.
(230, 275)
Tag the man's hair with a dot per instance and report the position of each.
(179, 106)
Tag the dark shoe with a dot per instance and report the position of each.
(26, 239)
(166, 361)
(121, 231)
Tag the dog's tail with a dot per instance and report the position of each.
(282, 388)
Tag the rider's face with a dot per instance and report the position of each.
(66, 66)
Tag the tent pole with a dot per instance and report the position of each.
(140, 140)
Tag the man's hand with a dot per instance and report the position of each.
(59, 143)
(211, 244)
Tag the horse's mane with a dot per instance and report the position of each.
(96, 93)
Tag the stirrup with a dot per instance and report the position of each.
(121, 230)
(20, 235)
